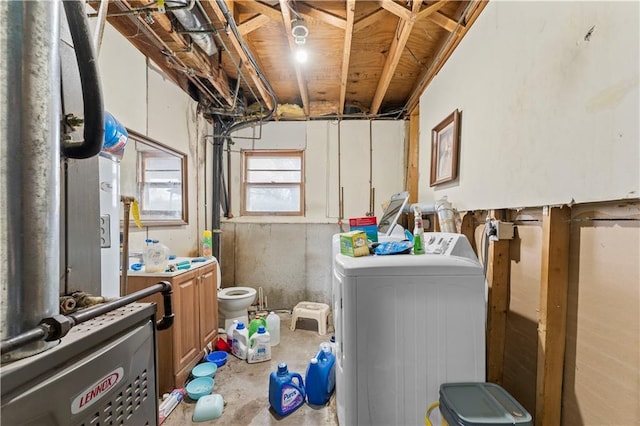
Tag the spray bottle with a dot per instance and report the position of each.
(418, 231)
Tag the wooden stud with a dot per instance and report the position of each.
(498, 274)
(468, 229)
(346, 53)
(552, 323)
(413, 160)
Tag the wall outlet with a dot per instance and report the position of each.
(499, 230)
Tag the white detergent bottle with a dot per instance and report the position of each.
(259, 346)
(240, 341)
(273, 325)
(230, 331)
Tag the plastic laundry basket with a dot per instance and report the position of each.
(477, 404)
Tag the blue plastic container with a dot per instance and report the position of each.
(285, 396)
(115, 134)
(321, 378)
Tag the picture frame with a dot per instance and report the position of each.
(445, 143)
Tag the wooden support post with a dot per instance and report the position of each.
(413, 161)
(552, 323)
(498, 274)
(468, 229)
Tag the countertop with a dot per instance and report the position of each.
(194, 265)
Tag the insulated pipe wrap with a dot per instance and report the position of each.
(30, 113)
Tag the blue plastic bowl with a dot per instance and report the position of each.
(205, 369)
(199, 387)
(217, 357)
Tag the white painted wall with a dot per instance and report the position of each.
(348, 148)
(547, 116)
(145, 101)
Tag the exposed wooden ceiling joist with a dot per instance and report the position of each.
(302, 84)
(346, 54)
(247, 65)
(321, 15)
(405, 25)
(370, 19)
(253, 24)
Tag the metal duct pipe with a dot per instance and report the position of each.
(191, 22)
(30, 114)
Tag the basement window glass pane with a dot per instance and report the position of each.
(160, 185)
(273, 182)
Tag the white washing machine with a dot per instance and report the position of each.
(404, 325)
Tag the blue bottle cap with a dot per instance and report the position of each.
(240, 325)
(261, 330)
(282, 368)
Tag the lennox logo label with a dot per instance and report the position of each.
(96, 390)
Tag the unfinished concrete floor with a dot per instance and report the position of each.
(245, 387)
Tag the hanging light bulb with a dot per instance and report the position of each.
(301, 55)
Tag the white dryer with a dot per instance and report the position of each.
(404, 325)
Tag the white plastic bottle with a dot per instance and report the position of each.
(230, 331)
(155, 256)
(240, 341)
(259, 346)
(273, 325)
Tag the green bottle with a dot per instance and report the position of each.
(418, 236)
(255, 323)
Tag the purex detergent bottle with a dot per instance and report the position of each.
(285, 396)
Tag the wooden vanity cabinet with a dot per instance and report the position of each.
(195, 325)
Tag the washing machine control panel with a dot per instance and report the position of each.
(439, 243)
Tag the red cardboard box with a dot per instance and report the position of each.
(368, 224)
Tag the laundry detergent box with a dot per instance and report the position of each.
(367, 224)
(354, 244)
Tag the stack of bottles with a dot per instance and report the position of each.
(254, 344)
(287, 391)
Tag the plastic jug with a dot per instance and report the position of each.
(240, 341)
(446, 215)
(321, 378)
(207, 244)
(259, 346)
(285, 396)
(230, 331)
(255, 324)
(273, 325)
(155, 256)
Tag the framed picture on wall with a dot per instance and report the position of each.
(445, 141)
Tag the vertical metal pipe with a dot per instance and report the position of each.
(30, 113)
(216, 166)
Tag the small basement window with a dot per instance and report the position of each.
(272, 182)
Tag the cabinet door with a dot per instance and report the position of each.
(208, 295)
(186, 327)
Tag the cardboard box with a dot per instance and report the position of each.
(354, 244)
(368, 224)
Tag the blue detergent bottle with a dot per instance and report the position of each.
(321, 377)
(285, 396)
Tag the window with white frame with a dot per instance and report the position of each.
(273, 182)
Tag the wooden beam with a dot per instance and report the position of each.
(259, 7)
(444, 52)
(552, 322)
(346, 54)
(468, 229)
(189, 62)
(370, 19)
(498, 281)
(432, 8)
(445, 22)
(302, 84)
(253, 24)
(413, 160)
(398, 10)
(395, 53)
(321, 15)
(212, 6)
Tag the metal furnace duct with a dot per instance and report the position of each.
(30, 113)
